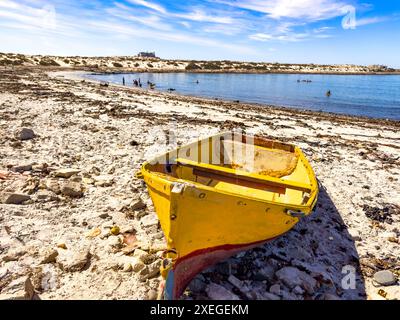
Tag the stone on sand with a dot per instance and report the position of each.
(217, 292)
(385, 278)
(73, 261)
(149, 220)
(20, 289)
(24, 134)
(14, 198)
(293, 277)
(65, 173)
(72, 189)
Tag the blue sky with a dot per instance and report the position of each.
(294, 31)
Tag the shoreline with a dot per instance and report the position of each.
(225, 102)
(72, 181)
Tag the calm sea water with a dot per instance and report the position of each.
(365, 95)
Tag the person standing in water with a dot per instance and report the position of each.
(123, 81)
(328, 93)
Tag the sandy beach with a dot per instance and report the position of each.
(75, 222)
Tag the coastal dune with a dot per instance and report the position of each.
(77, 224)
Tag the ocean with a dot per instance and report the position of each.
(374, 96)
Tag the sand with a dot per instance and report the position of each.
(61, 238)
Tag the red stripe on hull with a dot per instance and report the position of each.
(187, 267)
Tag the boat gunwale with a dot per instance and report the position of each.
(160, 177)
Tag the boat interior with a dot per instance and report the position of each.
(246, 166)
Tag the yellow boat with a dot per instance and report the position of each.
(224, 194)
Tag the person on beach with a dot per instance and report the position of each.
(123, 81)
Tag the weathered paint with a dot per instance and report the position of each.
(208, 223)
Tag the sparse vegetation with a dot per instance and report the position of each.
(192, 66)
(48, 63)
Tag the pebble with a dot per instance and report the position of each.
(14, 198)
(197, 285)
(72, 189)
(20, 289)
(14, 255)
(275, 289)
(152, 295)
(150, 271)
(103, 181)
(22, 168)
(293, 277)
(127, 267)
(65, 173)
(136, 264)
(48, 255)
(24, 134)
(385, 278)
(265, 273)
(46, 195)
(217, 292)
(270, 296)
(73, 261)
(149, 220)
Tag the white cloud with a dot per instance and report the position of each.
(261, 37)
(310, 10)
(367, 21)
(201, 16)
(148, 4)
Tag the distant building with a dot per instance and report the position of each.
(147, 55)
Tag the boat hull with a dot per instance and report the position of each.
(187, 268)
(205, 223)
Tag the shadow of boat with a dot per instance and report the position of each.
(319, 245)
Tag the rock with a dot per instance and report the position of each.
(73, 261)
(293, 277)
(236, 282)
(270, 296)
(19, 289)
(14, 255)
(197, 285)
(24, 134)
(275, 289)
(103, 181)
(72, 189)
(136, 264)
(144, 256)
(3, 272)
(298, 290)
(62, 245)
(265, 273)
(330, 296)
(47, 255)
(127, 267)
(114, 243)
(14, 198)
(217, 292)
(149, 221)
(385, 278)
(53, 185)
(65, 173)
(152, 295)
(150, 271)
(46, 195)
(22, 168)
